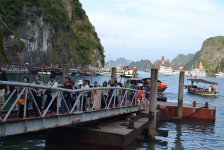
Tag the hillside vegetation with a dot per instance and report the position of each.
(211, 55)
(49, 32)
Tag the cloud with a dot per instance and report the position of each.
(155, 25)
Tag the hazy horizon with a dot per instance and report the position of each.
(148, 29)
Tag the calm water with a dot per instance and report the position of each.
(184, 135)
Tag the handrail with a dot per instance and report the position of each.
(31, 85)
(117, 97)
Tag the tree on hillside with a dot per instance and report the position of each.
(3, 55)
(4, 29)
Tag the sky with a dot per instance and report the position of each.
(148, 29)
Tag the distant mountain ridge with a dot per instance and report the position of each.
(182, 59)
(118, 62)
(142, 65)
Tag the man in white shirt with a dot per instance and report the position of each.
(85, 95)
(52, 83)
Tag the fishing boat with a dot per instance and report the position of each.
(202, 87)
(161, 86)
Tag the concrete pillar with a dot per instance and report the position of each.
(180, 94)
(153, 104)
(65, 71)
(113, 73)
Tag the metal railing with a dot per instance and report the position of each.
(63, 101)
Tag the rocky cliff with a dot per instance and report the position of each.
(211, 55)
(49, 32)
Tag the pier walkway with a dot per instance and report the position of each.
(81, 109)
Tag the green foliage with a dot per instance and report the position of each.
(54, 13)
(84, 42)
(85, 27)
(77, 12)
(3, 55)
(192, 62)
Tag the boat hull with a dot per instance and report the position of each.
(161, 87)
(202, 92)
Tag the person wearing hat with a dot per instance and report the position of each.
(50, 94)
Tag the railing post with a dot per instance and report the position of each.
(153, 103)
(25, 104)
(65, 71)
(113, 73)
(180, 94)
(58, 102)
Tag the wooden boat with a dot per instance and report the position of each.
(161, 86)
(199, 90)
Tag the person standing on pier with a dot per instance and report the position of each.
(96, 97)
(50, 94)
(21, 101)
(130, 86)
(4, 89)
(67, 96)
(116, 94)
(85, 95)
(104, 96)
(38, 95)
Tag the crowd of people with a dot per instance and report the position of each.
(92, 99)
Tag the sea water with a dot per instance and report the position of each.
(182, 135)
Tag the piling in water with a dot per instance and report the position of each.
(113, 73)
(180, 94)
(65, 71)
(153, 104)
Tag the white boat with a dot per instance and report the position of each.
(198, 72)
(107, 72)
(130, 73)
(219, 75)
(167, 71)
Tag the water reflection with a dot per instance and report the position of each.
(178, 140)
(27, 141)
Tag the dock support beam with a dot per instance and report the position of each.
(113, 73)
(153, 103)
(180, 94)
(65, 71)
